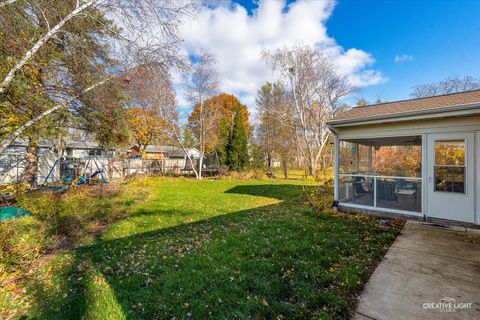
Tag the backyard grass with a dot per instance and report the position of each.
(213, 250)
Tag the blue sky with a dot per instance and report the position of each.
(443, 37)
(431, 40)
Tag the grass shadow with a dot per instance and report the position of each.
(284, 192)
(264, 262)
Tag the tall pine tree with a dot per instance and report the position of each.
(237, 147)
(223, 141)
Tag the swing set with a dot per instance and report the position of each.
(8, 208)
(70, 180)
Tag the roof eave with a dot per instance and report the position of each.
(461, 110)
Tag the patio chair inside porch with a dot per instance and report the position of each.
(381, 173)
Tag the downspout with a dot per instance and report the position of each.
(424, 175)
(336, 153)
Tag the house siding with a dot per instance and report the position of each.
(12, 165)
(469, 123)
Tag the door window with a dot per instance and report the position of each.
(449, 166)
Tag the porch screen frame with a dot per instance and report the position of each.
(421, 179)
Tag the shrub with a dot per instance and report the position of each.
(247, 175)
(320, 197)
(325, 174)
(21, 241)
(60, 220)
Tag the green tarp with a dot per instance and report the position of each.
(10, 212)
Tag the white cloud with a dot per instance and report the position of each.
(403, 57)
(237, 39)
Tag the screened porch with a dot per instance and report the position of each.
(382, 173)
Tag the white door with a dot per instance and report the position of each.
(450, 176)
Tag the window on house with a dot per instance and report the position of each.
(450, 166)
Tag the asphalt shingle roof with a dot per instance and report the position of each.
(171, 151)
(84, 145)
(412, 105)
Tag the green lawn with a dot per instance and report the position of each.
(214, 249)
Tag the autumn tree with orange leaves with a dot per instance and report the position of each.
(151, 95)
(221, 110)
(398, 160)
(144, 126)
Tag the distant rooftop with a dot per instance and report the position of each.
(83, 145)
(50, 143)
(172, 152)
(43, 143)
(412, 105)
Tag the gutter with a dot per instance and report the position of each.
(402, 115)
(335, 131)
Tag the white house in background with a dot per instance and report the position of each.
(86, 149)
(163, 152)
(12, 161)
(415, 158)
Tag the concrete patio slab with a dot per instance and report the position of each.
(428, 273)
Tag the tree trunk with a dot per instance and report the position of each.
(285, 169)
(269, 165)
(309, 169)
(179, 140)
(311, 164)
(200, 165)
(31, 167)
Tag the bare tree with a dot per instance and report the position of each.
(275, 130)
(201, 83)
(153, 89)
(315, 89)
(268, 126)
(130, 15)
(79, 8)
(270, 102)
(168, 112)
(146, 34)
(447, 86)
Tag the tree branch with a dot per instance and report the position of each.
(40, 42)
(6, 3)
(5, 144)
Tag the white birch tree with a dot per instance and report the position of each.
(145, 34)
(201, 83)
(315, 89)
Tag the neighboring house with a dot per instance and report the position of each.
(170, 159)
(86, 149)
(415, 158)
(151, 152)
(12, 161)
(73, 162)
(84, 158)
(163, 152)
(87, 157)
